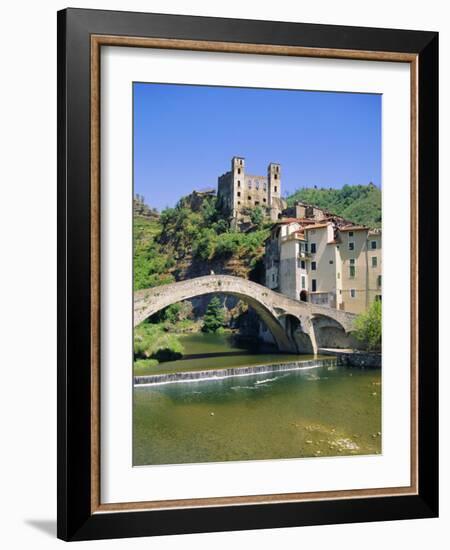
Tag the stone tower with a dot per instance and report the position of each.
(238, 177)
(274, 189)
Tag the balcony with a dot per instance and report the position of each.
(302, 255)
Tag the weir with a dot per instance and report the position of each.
(218, 374)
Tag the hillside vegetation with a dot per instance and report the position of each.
(357, 203)
(184, 242)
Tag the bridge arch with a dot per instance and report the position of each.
(277, 311)
(298, 330)
(265, 314)
(330, 333)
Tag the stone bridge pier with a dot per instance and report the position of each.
(296, 327)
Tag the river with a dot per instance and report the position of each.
(311, 412)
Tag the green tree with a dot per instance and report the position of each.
(214, 316)
(257, 216)
(368, 327)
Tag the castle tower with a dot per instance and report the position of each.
(237, 183)
(274, 189)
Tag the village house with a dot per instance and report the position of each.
(330, 262)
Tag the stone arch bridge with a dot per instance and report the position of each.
(295, 326)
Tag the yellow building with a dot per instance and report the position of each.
(334, 264)
(359, 273)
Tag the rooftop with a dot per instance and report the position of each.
(317, 225)
(354, 228)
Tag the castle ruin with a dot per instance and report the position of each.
(238, 192)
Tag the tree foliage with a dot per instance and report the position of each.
(257, 216)
(152, 342)
(368, 327)
(199, 235)
(206, 235)
(151, 263)
(214, 318)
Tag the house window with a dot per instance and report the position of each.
(379, 281)
(374, 261)
(249, 198)
(239, 170)
(351, 245)
(273, 277)
(352, 293)
(331, 262)
(373, 245)
(256, 203)
(239, 183)
(303, 282)
(314, 285)
(378, 298)
(276, 176)
(338, 275)
(239, 202)
(302, 264)
(275, 189)
(350, 234)
(313, 248)
(313, 266)
(238, 193)
(306, 247)
(352, 269)
(264, 200)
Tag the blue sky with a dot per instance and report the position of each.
(185, 136)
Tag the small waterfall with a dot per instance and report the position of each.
(219, 374)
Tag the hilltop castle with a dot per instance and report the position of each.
(238, 193)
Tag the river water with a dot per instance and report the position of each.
(323, 411)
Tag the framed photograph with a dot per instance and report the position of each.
(247, 290)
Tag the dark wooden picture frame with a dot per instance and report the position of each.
(81, 34)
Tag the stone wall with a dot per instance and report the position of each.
(354, 358)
